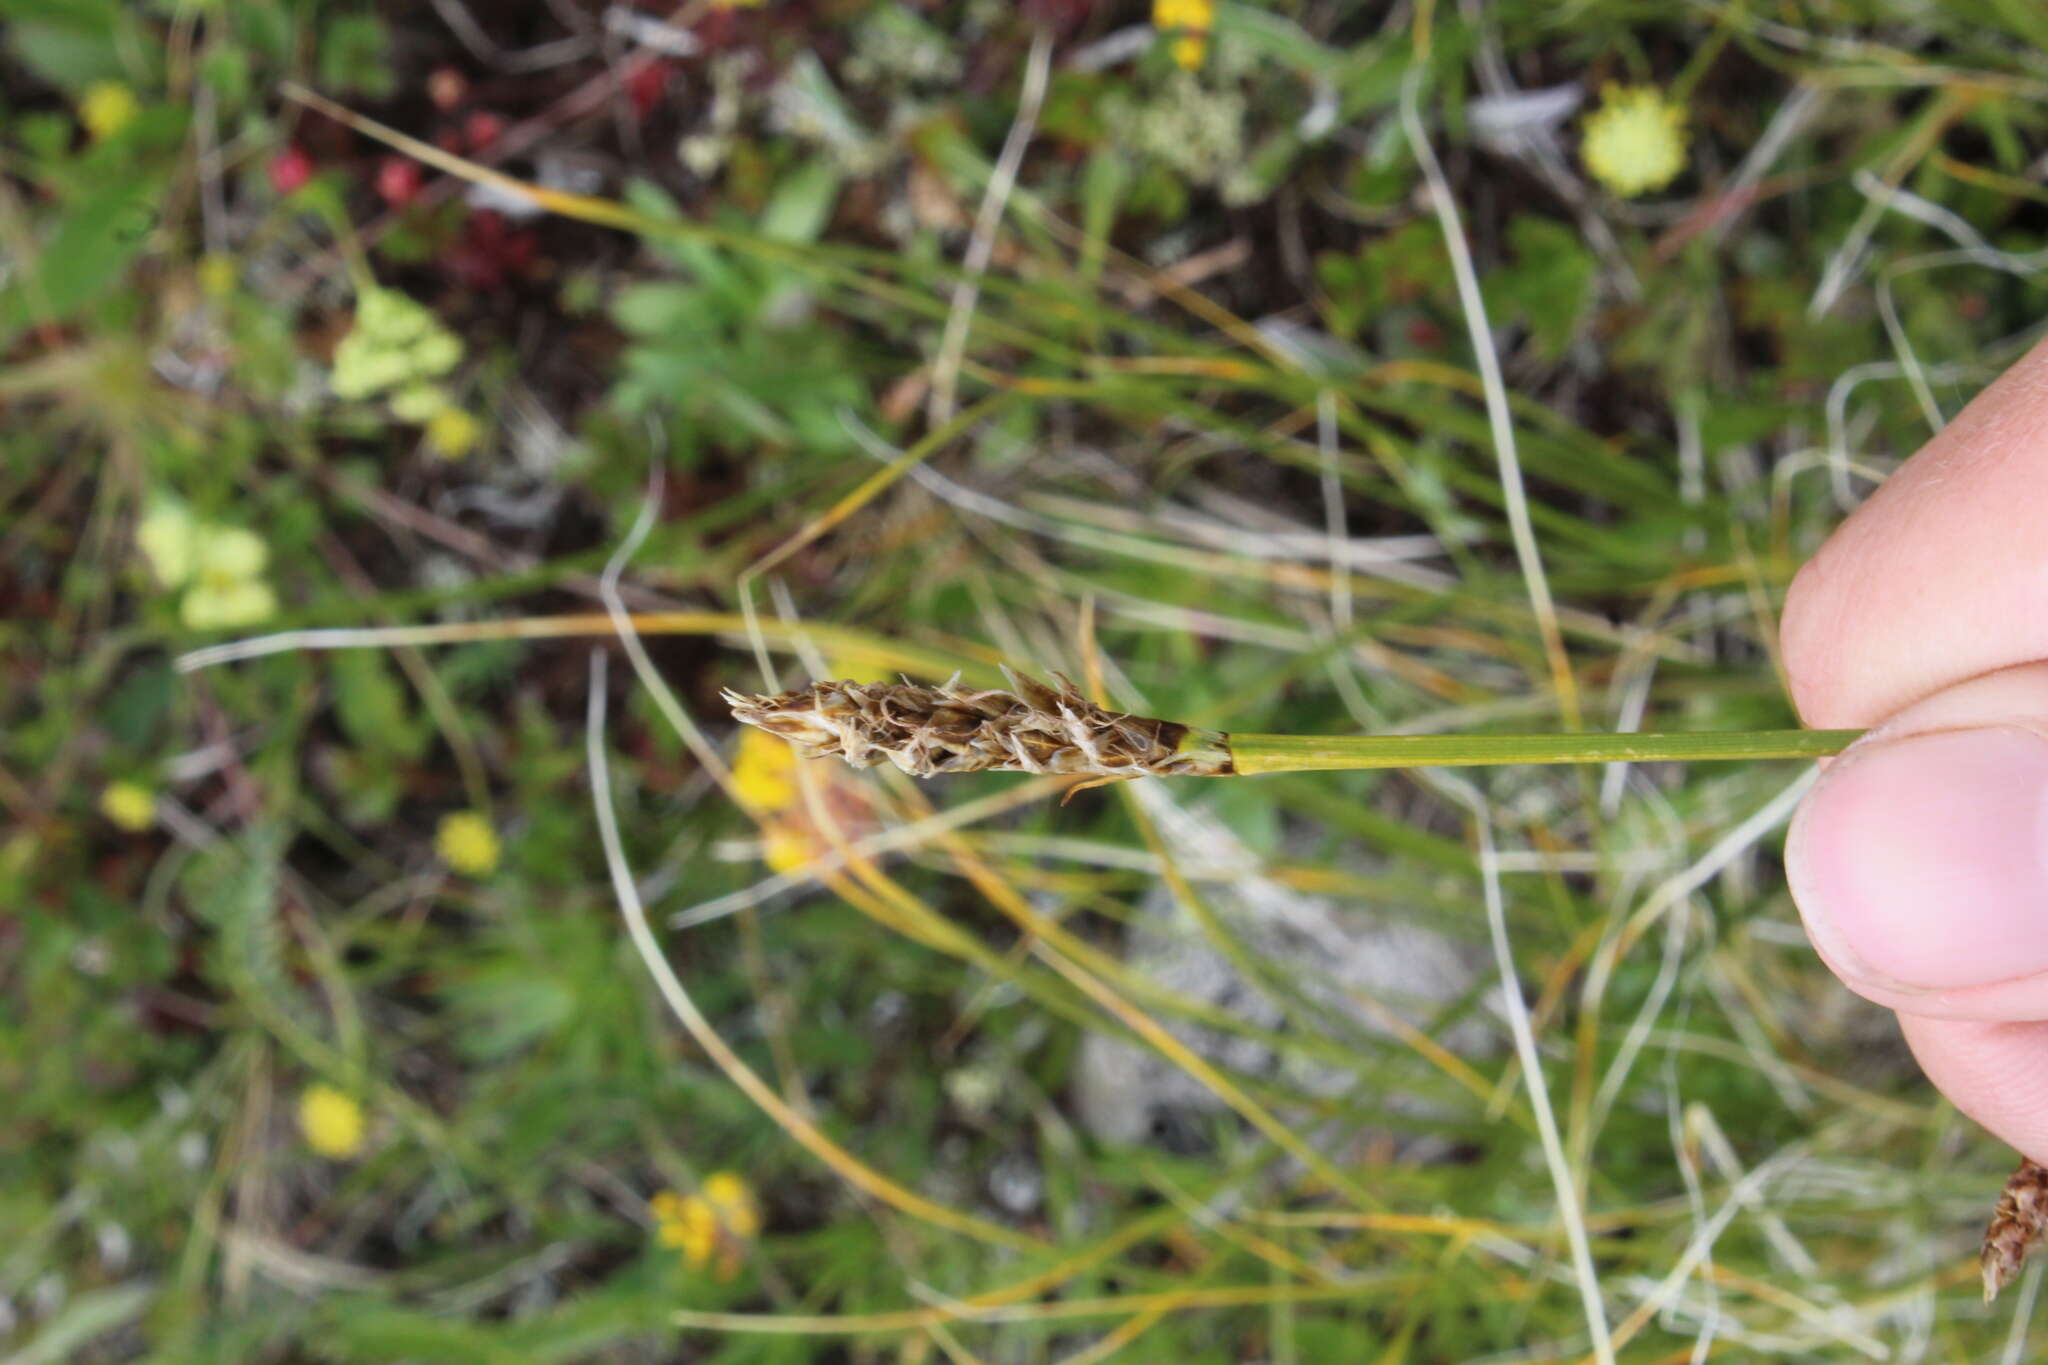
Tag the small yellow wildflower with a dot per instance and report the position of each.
(452, 433)
(1635, 141)
(131, 807)
(1196, 16)
(106, 108)
(716, 1223)
(466, 842)
(1189, 21)
(855, 668)
(331, 1121)
(787, 848)
(764, 772)
(733, 1199)
(687, 1224)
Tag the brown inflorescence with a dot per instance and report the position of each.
(2017, 1226)
(953, 729)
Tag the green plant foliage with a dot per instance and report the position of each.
(1198, 325)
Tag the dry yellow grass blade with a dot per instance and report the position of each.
(588, 208)
(1244, 1239)
(1121, 1336)
(916, 1319)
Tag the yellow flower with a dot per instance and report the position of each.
(331, 1121)
(106, 108)
(733, 1200)
(687, 1224)
(452, 433)
(1189, 22)
(1194, 16)
(466, 842)
(786, 849)
(764, 772)
(855, 668)
(131, 807)
(1635, 141)
(715, 1223)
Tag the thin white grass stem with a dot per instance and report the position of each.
(643, 667)
(1514, 499)
(2015, 1352)
(1712, 1140)
(1674, 892)
(1701, 1244)
(1333, 510)
(1569, 1211)
(571, 626)
(1695, 1203)
(967, 290)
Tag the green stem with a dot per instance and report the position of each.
(1254, 754)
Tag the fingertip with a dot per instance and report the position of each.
(1997, 1073)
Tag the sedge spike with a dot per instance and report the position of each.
(1037, 728)
(2017, 1226)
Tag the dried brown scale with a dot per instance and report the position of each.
(2017, 1226)
(953, 729)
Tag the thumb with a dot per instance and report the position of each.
(1920, 859)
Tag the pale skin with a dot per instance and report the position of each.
(1920, 860)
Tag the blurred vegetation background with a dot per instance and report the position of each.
(322, 1036)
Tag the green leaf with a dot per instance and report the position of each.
(506, 1009)
(1103, 182)
(89, 1316)
(802, 204)
(355, 56)
(661, 309)
(372, 706)
(72, 43)
(88, 254)
(1549, 286)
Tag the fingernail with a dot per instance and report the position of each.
(1922, 863)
